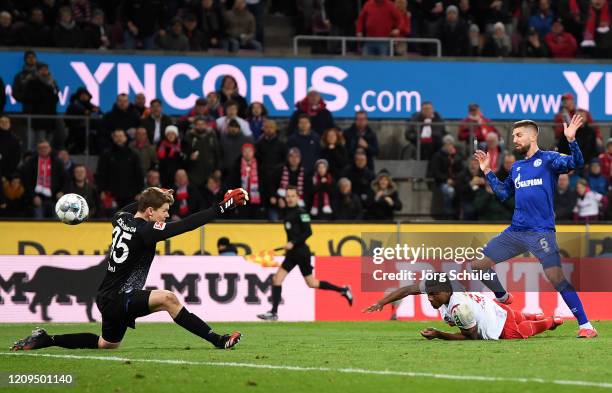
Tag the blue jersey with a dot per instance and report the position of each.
(533, 183)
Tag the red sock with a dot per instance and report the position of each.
(531, 328)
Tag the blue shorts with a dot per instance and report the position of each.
(508, 244)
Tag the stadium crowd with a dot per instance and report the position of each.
(226, 142)
(493, 28)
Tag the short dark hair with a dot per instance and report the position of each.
(233, 123)
(156, 100)
(436, 284)
(303, 116)
(525, 123)
(231, 103)
(153, 197)
(361, 112)
(292, 187)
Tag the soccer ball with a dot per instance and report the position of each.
(72, 209)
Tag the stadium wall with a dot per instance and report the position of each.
(504, 90)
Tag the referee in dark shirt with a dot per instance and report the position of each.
(297, 226)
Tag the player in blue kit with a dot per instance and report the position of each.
(532, 181)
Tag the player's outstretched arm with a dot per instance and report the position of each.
(464, 334)
(232, 199)
(503, 190)
(563, 163)
(392, 297)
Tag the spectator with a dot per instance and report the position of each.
(143, 19)
(212, 23)
(256, 116)
(194, 36)
(405, 26)
(201, 111)
(334, 151)
(307, 142)
(322, 191)
(203, 151)
(144, 150)
(35, 33)
(573, 14)
(66, 160)
(156, 121)
(187, 198)
(247, 176)
(542, 19)
(561, 43)
(80, 105)
(231, 147)
(496, 11)
(475, 40)
(444, 167)
(495, 151)
(588, 204)
(360, 175)
(466, 13)
(240, 29)
(378, 18)
(586, 136)
(213, 105)
(426, 127)
(231, 115)
(212, 193)
(123, 116)
(432, 15)
(258, 8)
(497, 44)
(312, 105)
(488, 208)
(360, 135)
(225, 248)
(140, 104)
(8, 36)
(532, 45)
(27, 73)
(97, 33)
(565, 199)
(229, 93)
(453, 34)
(15, 197)
(67, 34)
(468, 182)
(597, 38)
(81, 10)
(44, 179)
(170, 155)
(596, 181)
(79, 184)
(605, 159)
(504, 171)
(385, 199)
(175, 39)
(291, 173)
(270, 153)
(342, 15)
(119, 175)
(476, 125)
(41, 98)
(10, 148)
(153, 179)
(565, 114)
(348, 205)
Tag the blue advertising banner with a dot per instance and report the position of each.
(383, 88)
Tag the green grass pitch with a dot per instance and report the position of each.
(320, 357)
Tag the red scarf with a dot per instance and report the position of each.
(300, 181)
(250, 179)
(604, 20)
(172, 149)
(493, 154)
(43, 180)
(181, 196)
(311, 110)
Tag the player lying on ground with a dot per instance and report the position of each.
(121, 298)
(297, 226)
(477, 316)
(532, 181)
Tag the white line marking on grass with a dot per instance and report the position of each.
(482, 378)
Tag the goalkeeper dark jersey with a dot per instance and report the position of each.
(133, 247)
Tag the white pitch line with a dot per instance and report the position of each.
(482, 378)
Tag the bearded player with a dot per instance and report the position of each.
(477, 316)
(121, 299)
(532, 181)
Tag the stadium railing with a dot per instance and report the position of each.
(344, 39)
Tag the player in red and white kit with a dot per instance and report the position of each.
(477, 316)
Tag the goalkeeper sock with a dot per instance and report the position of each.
(75, 340)
(569, 295)
(329, 286)
(195, 325)
(276, 297)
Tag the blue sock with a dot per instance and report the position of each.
(494, 285)
(569, 295)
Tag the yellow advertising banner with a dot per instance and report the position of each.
(94, 238)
